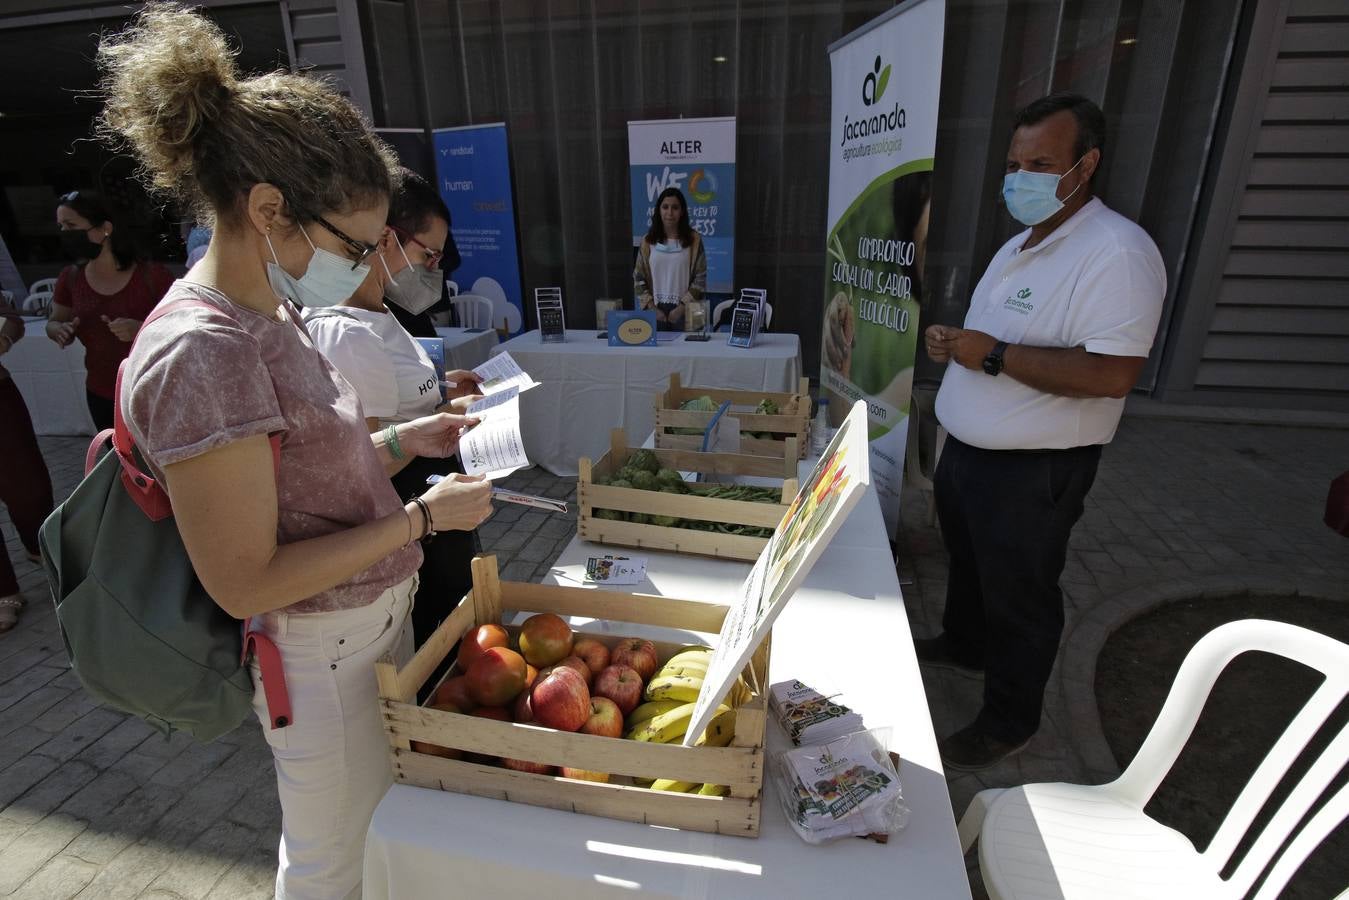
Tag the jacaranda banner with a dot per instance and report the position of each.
(697, 156)
(474, 173)
(883, 136)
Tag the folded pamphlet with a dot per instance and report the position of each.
(808, 716)
(844, 788)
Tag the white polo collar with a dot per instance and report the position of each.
(1088, 210)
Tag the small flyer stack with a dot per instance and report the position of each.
(810, 717)
(845, 788)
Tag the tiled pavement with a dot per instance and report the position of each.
(93, 804)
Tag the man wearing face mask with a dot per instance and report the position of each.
(391, 373)
(1057, 332)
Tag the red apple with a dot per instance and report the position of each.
(524, 765)
(496, 677)
(455, 691)
(595, 654)
(571, 662)
(621, 684)
(523, 710)
(432, 749)
(606, 720)
(545, 639)
(478, 640)
(584, 774)
(637, 653)
(561, 700)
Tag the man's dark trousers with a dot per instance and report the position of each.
(1006, 516)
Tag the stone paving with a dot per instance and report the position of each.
(93, 804)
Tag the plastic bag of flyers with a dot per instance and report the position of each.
(845, 788)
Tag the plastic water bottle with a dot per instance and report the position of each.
(819, 428)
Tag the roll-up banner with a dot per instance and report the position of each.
(883, 135)
(474, 174)
(697, 156)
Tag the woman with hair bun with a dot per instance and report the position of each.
(316, 547)
(104, 297)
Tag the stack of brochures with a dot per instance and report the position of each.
(845, 788)
(810, 717)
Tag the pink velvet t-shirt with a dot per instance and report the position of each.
(200, 378)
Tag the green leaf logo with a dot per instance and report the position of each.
(881, 83)
(1023, 293)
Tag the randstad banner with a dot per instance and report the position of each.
(474, 173)
(697, 156)
(883, 135)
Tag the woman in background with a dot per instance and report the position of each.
(104, 297)
(25, 485)
(671, 270)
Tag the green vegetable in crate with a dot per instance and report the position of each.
(646, 460)
(767, 407)
(670, 478)
(639, 519)
(699, 404)
(645, 481)
(602, 479)
(627, 473)
(610, 514)
(620, 482)
(664, 521)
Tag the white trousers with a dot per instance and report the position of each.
(332, 763)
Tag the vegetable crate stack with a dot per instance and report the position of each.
(636, 497)
(771, 424)
(500, 727)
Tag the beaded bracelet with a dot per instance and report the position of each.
(391, 443)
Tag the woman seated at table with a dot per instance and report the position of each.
(104, 297)
(671, 270)
(395, 378)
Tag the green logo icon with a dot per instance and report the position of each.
(1023, 293)
(873, 86)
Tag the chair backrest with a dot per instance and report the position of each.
(453, 286)
(38, 303)
(767, 315)
(42, 285)
(1176, 722)
(718, 311)
(473, 311)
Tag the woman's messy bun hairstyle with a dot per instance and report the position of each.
(174, 97)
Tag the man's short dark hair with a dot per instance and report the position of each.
(415, 204)
(1090, 119)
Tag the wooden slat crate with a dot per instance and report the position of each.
(789, 427)
(740, 766)
(591, 496)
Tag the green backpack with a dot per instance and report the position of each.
(141, 632)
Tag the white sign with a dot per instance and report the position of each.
(819, 510)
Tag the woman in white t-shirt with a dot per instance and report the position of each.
(671, 270)
(394, 376)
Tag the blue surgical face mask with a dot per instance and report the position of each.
(327, 281)
(1032, 197)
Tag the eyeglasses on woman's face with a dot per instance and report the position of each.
(361, 248)
(432, 257)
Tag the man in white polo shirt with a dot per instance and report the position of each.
(1058, 329)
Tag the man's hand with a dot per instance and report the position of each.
(465, 384)
(124, 328)
(966, 346)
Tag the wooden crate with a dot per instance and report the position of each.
(789, 428)
(740, 766)
(591, 496)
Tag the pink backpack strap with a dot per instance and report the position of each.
(273, 675)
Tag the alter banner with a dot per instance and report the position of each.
(883, 136)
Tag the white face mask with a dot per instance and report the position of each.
(415, 289)
(328, 280)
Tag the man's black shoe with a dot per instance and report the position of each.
(937, 652)
(970, 749)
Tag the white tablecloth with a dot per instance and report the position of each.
(845, 630)
(588, 387)
(467, 349)
(51, 381)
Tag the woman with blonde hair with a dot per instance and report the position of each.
(314, 545)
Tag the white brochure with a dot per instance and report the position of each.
(502, 372)
(494, 447)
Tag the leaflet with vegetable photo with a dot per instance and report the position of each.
(502, 372)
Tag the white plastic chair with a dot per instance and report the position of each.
(473, 311)
(38, 304)
(1068, 841)
(453, 286)
(47, 285)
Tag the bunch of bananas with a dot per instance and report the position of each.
(664, 717)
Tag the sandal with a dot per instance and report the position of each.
(9, 611)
